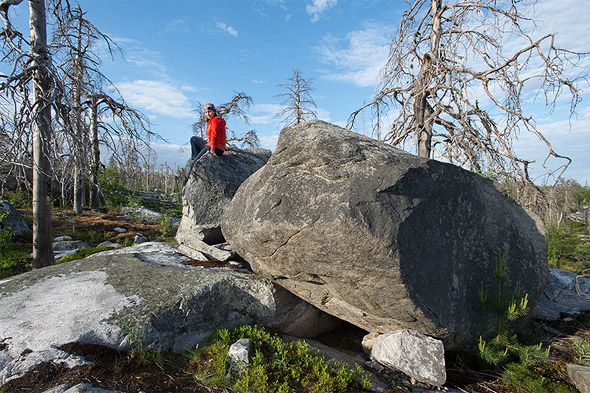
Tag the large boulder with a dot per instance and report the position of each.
(141, 293)
(212, 182)
(381, 238)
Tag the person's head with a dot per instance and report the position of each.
(210, 111)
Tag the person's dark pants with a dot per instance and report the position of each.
(199, 147)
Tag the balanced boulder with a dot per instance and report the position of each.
(212, 182)
(381, 238)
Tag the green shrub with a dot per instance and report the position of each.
(522, 366)
(533, 379)
(139, 353)
(276, 366)
(166, 228)
(112, 186)
(565, 248)
(581, 349)
(20, 199)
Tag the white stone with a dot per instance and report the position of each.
(239, 356)
(140, 238)
(416, 355)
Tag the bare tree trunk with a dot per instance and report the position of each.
(422, 109)
(77, 122)
(94, 201)
(42, 242)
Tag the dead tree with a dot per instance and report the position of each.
(32, 68)
(299, 105)
(451, 71)
(86, 105)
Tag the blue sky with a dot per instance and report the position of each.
(178, 52)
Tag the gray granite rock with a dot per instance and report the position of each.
(108, 297)
(211, 185)
(79, 388)
(66, 245)
(566, 293)
(381, 238)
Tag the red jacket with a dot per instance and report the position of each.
(216, 134)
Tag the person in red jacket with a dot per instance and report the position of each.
(216, 138)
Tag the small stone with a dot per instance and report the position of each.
(239, 356)
(119, 230)
(140, 238)
(109, 244)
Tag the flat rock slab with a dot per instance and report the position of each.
(129, 294)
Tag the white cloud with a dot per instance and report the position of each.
(564, 17)
(135, 53)
(265, 113)
(228, 29)
(317, 7)
(178, 25)
(158, 97)
(361, 58)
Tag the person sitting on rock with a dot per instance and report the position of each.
(216, 138)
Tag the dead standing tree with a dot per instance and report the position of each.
(33, 67)
(74, 41)
(453, 66)
(297, 100)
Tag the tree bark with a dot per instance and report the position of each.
(77, 123)
(422, 109)
(42, 241)
(94, 200)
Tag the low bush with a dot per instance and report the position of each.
(276, 365)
